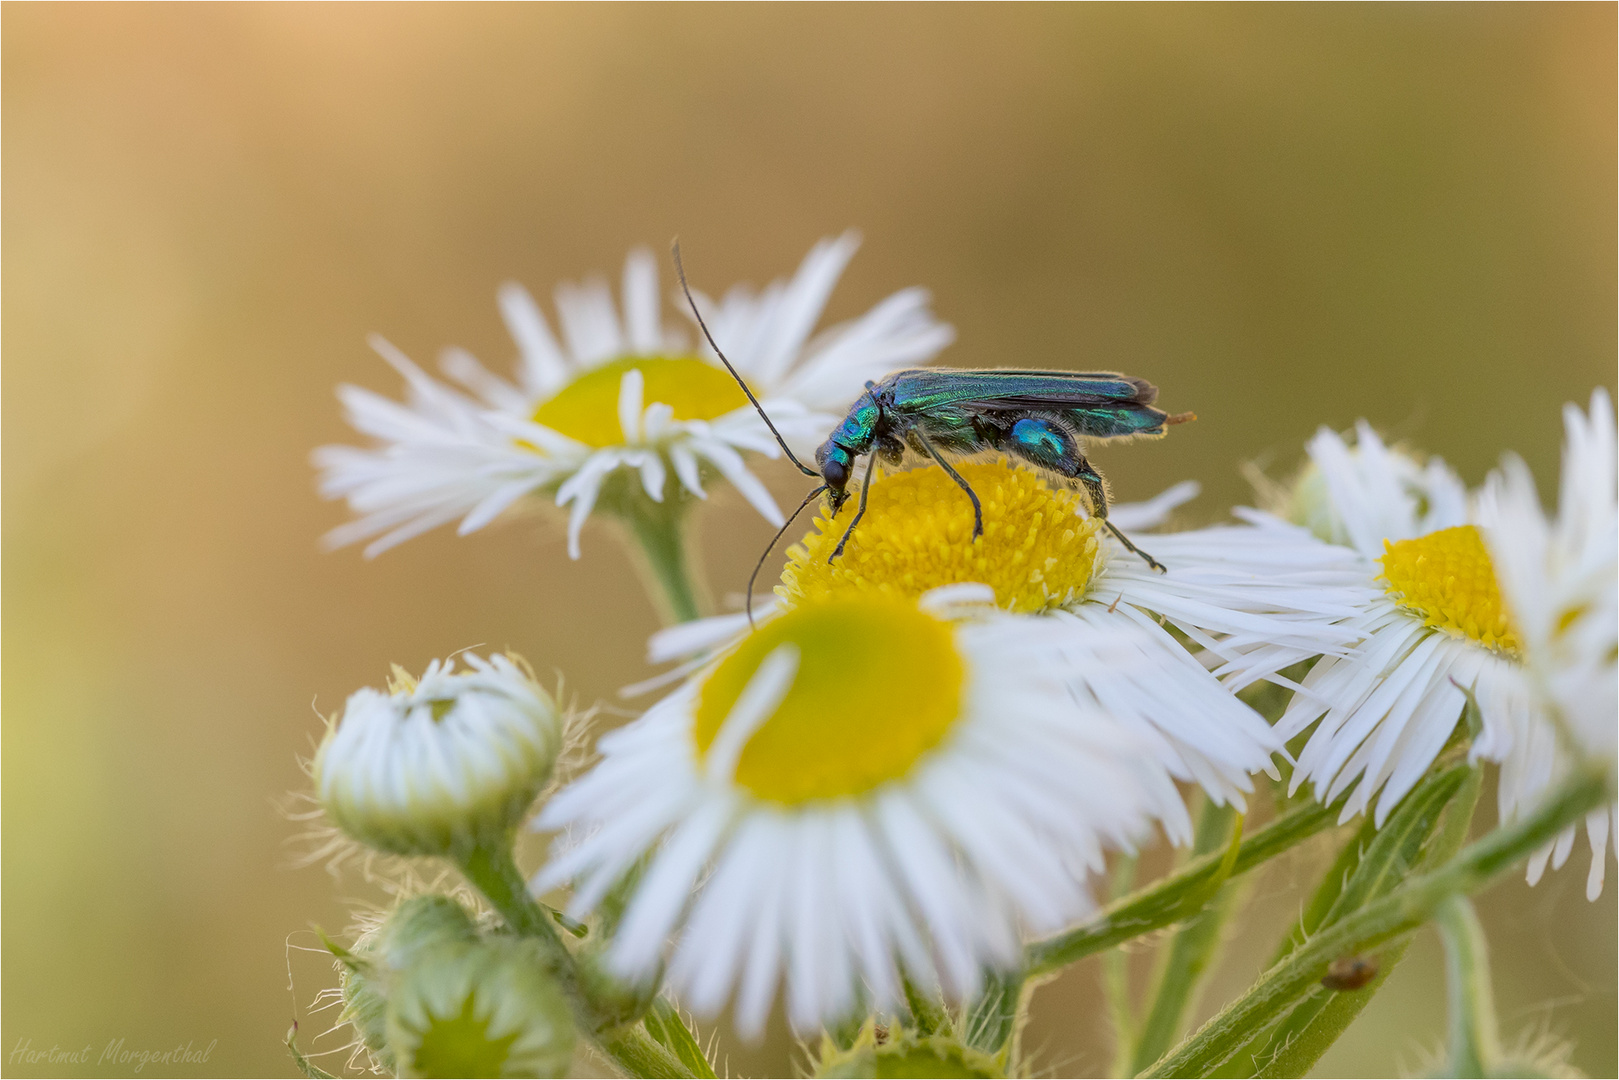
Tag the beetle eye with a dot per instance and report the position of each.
(835, 473)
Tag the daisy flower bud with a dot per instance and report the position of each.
(420, 923)
(1346, 492)
(440, 765)
(876, 1053)
(480, 1009)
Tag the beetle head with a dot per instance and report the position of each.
(836, 465)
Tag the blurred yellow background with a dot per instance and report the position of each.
(1284, 216)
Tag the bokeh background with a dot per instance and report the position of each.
(1285, 216)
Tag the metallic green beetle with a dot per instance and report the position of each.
(1038, 416)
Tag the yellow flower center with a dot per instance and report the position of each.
(879, 683)
(587, 408)
(1037, 551)
(1446, 579)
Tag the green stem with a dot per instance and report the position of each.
(1116, 975)
(1389, 917)
(992, 1022)
(302, 1063)
(1332, 885)
(1314, 1024)
(1475, 1044)
(634, 1053)
(492, 870)
(659, 532)
(928, 1017)
(1177, 896)
(1189, 953)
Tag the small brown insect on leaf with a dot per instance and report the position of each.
(1350, 973)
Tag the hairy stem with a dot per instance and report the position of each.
(1475, 1043)
(1189, 953)
(992, 1022)
(491, 869)
(1116, 976)
(634, 1053)
(1177, 896)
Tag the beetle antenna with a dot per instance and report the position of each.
(760, 564)
(681, 272)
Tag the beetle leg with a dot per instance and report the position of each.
(860, 511)
(1096, 488)
(933, 452)
(1051, 445)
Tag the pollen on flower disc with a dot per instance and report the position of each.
(1038, 550)
(587, 408)
(879, 683)
(1447, 579)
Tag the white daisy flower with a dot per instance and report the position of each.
(1250, 599)
(1432, 618)
(1561, 581)
(861, 765)
(438, 765)
(615, 407)
(866, 787)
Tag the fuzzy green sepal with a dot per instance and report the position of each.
(892, 1055)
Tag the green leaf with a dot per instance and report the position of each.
(991, 1021)
(668, 1030)
(928, 1017)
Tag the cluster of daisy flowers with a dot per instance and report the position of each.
(874, 790)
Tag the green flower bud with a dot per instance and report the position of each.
(877, 1053)
(418, 924)
(1309, 503)
(488, 1008)
(441, 765)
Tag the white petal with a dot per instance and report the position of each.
(630, 388)
(544, 370)
(757, 703)
(729, 463)
(1156, 510)
(641, 323)
(589, 323)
